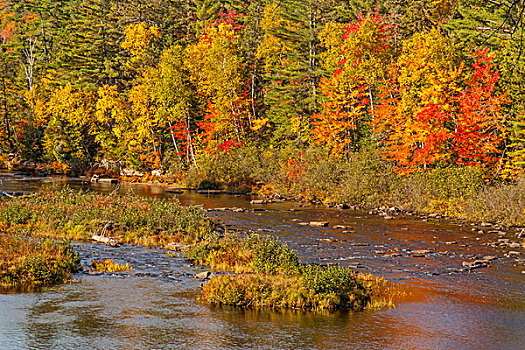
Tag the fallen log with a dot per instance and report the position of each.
(106, 240)
(102, 238)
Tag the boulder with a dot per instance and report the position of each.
(203, 275)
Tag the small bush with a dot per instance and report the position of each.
(27, 263)
(269, 256)
(109, 266)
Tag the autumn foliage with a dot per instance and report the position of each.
(172, 86)
(440, 112)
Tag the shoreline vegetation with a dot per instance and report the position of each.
(362, 180)
(252, 270)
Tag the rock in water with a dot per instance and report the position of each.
(319, 223)
(203, 275)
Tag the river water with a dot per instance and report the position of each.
(155, 305)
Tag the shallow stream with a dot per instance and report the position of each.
(155, 305)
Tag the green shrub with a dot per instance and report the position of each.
(270, 256)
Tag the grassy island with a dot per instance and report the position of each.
(262, 272)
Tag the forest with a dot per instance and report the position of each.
(417, 103)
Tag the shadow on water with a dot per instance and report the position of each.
(154, 306)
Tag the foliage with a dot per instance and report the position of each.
(364, 54)
(108, 266)
(28, 263)
(439, 113)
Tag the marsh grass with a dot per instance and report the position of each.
(77, 215)
(26, 263)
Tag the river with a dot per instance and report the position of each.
(155, 305)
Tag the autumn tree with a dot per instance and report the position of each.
(112, 124)
(68, 117)
(174, 93)
(358, 55)
(499, 26)
(218, 70)
(434, 113)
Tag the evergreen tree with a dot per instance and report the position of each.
(89, 52)
(290, 49)
(500, 27)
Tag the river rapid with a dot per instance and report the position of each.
(155, 305)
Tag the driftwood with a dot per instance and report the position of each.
(102, 238)
(97, 179)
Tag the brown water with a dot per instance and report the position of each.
(155, 305)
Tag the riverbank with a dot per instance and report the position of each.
(361, 179)
(364, 180)
(258, 264)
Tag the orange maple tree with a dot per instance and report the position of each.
(435, 112)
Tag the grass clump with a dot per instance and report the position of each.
(269, 274)
(27, 263)
(109, 266)
(77, 215)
